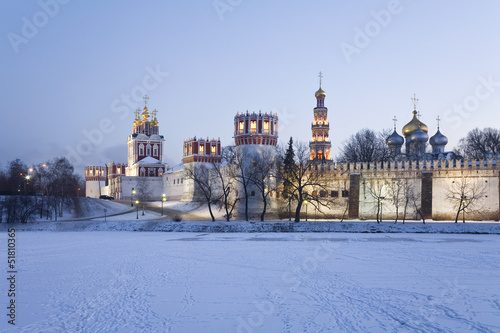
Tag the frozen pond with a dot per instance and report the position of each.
(248, 282)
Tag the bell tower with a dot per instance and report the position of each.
(320, 144)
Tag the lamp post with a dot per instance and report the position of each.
(132, 198)
(137, 208)
(26, 182)
(381, 206)
(305, 202)
(163, 199)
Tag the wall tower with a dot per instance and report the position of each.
(256, 137)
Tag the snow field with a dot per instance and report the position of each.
(293, 282)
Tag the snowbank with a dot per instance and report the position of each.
(271, 226)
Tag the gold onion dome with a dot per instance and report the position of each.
(320, 93)
(145, 114)
(414, 125)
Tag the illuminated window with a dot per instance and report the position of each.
(266, 126)
(275, 127)
(118, 170)
(253, 126)
(214, 150)
(242, 126)
(202, 149)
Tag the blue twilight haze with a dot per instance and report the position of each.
(75, 71)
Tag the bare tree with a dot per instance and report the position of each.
(397, 195)
(466, 193)
(301, 176)
(243, 173)
(478, 144)
(228, 197)
(200, 175)
(377, 190)
(365, 146)
(263, 177)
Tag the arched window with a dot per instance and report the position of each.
(142, 172)
(253, 126)
(148, 150)
(155, 150)
(141, 149)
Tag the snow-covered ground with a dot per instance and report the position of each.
(279, 282)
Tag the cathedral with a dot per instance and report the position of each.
(416, 139)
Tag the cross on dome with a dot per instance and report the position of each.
(145, 98)
(415, 100)
(395, 120)
(320, 77)
(438, 120)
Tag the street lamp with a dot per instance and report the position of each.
(305, 202)
(132, 197)
(137, 208)
(163, 199)
(27, 182)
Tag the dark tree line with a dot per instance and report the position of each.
(479, 144)
(43, 190)
(365, 146)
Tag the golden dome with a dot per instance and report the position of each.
(414, 125)
(145, 114)
(320, 93)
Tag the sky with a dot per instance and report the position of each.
(74, 71)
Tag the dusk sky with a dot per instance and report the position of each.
(74, 71)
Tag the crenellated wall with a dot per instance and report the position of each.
(432, 188)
